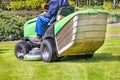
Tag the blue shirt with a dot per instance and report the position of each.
(54, 6)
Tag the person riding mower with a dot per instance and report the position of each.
(76, 33)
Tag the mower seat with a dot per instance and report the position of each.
(65, 11)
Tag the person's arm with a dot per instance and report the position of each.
(45, 5)
(53, 8)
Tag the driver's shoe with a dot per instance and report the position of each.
(38, 38)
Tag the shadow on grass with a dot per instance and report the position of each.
(96, 58)
(2, 51)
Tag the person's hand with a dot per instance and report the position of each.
(44, 6)
(43, 13)
(59, 17)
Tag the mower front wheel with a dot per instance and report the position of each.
(21, 49)
(48, 51)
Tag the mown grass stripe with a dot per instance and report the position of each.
(112, 35)
(114, 25)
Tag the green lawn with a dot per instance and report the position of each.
(105, 65)
(111, 45)
(113, 30)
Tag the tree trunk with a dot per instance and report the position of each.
(89, 2)
(78, 3)
(114, 3)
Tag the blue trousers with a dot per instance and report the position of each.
(40, 24)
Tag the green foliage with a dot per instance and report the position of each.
(33, 4)
(0, 10)
(113, 18)
(72, 3)
(107, 5)
(11, 27)
(16, 5)
(26, 4)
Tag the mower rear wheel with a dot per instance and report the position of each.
(21, 49)
(48, 51)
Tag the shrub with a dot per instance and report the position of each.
(113, 18)
(0, 10)
(33, 4)
(16, 5)
(107, 5)
(11, 27)
(26, 4)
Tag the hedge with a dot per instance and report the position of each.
(11, 27)
(25, 4)
(113, 18)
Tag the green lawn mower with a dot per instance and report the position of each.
(78, 33)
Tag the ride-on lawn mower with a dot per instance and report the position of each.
(78, 33)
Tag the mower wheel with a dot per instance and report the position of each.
(21, 49)
(48, 51)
